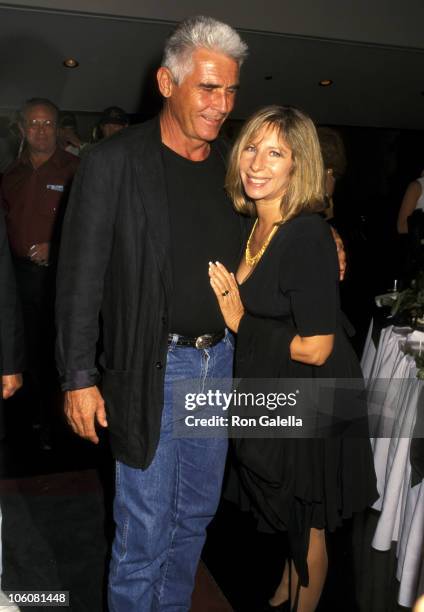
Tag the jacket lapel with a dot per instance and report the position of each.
(154, 199)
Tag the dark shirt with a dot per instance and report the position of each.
(33, 198)
(204, 227)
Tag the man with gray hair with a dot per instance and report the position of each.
(147, 213)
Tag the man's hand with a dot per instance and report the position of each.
(10, 384)
(39, 253)
(83, 407)
(341, 253)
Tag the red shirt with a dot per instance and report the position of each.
(33, 198)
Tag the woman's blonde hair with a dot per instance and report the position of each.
(305, 190)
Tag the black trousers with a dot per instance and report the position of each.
(36, 287)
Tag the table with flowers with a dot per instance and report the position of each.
(396, 406)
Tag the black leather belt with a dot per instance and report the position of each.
(201, 342)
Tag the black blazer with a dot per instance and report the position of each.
(11, 329)
(115, 259)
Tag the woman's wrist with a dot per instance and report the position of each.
(234, 324)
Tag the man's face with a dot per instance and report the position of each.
(39, 129)
(109, 129)
(202, 102)
(65, 135)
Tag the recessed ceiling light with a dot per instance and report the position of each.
(71, 63)
(325, 82)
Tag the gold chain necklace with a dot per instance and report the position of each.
(252, 260)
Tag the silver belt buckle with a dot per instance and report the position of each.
(203, 342)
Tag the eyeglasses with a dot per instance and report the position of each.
(38, 124)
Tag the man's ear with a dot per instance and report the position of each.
(166, 83)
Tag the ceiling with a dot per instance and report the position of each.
(375, 56)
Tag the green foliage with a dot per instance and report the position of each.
(411, 301)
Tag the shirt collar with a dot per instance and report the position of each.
(57, 159)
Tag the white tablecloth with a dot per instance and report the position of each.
(394, 391)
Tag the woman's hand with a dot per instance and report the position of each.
(226, 290)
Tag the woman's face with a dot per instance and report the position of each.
(265, 166)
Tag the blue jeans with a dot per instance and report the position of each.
(161, 513)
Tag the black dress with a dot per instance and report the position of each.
(295, 484)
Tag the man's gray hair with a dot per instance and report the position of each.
(200, 32)
(37, 102)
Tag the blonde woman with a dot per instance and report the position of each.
(283, 303)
